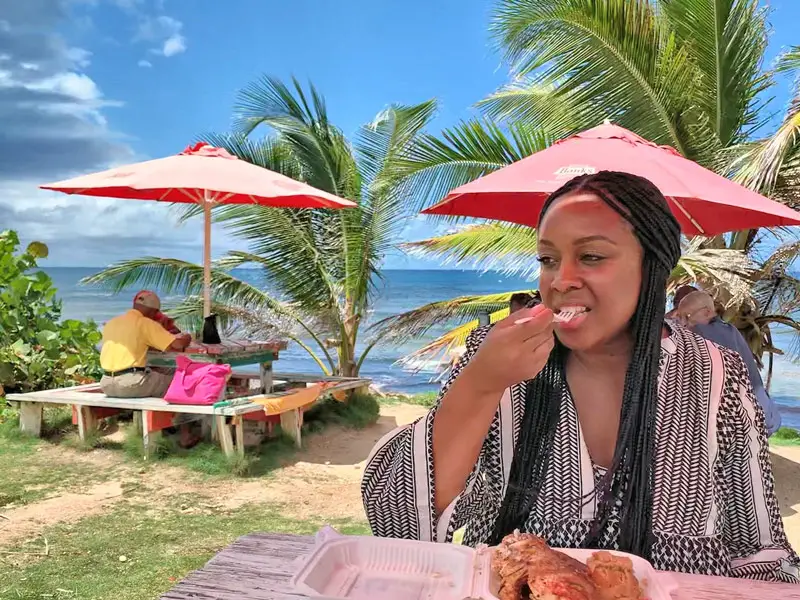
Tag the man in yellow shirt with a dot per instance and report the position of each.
(126, 340)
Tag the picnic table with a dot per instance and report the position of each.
(258, 567)
(241, 402)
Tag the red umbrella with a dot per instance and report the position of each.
(204, 175)
(703, 202)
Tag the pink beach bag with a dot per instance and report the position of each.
(197, 383)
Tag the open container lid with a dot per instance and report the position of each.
(366, 568)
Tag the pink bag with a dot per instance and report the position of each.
(197, 383)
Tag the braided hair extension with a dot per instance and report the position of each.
(629, 481)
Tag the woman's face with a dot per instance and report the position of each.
(591, 262)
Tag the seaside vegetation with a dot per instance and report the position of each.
(38, 349)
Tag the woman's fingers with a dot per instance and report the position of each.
(543, 342)
(539, 320)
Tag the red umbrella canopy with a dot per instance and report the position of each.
(204, 175)
(703, 202)
(200, 172)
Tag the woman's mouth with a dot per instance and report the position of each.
(570, 317)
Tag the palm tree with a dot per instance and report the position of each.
(687, 73)
(319, 268)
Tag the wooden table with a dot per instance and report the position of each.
(258, 567)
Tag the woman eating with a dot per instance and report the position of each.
(588, 420)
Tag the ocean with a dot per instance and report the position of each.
(399, 291)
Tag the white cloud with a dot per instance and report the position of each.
(165, 32)
(174, 45)
(95, 232)
(54, 127)
(145, 63)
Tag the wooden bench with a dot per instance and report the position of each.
(90, 405)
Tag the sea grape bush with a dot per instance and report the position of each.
(38, 350)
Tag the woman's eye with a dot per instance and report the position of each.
(592, 258)
(545, 261)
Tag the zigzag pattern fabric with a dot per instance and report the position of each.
(715, 509)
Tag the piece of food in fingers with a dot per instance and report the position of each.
(613, 576)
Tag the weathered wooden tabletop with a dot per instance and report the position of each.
(258, 567)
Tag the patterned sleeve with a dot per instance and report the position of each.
(398, 485)
(753, 531)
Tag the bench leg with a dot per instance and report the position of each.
(225, 435)
(265, 371)
(291, 425)
(150, 436)
(238, 424)
(30, 418)
(206, 429)
(87, 422)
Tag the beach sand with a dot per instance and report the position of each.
(786, 466)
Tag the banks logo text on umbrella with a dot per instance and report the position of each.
(204, 175)
(703, 202)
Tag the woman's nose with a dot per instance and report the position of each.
(566, 278)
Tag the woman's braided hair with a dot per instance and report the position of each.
(630, 478)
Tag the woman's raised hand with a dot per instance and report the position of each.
(515, 350)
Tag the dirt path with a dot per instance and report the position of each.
(324, 477)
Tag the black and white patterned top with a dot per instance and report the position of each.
(715, 509)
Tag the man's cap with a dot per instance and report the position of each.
(148, 299)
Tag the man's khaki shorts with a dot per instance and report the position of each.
(141, 384)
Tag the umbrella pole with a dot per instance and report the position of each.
(207, 254)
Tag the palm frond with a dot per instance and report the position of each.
(529, 100)
(614, 59)
(726, 40)
(494, 246)
(436, 165)
(727, 274)
(789, 62)
(372, 232)
(168, 275)
(440, 352)
(250, 323)
(416, 323)
(299, 118)
(776, 290)
(269, 101)
(772, 165)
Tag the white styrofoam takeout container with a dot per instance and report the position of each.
(367, 568)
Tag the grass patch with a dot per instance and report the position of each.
(426, 399)
(28, 477)
(138, 552)
(358, 411)
(206, 458)
(785, 436)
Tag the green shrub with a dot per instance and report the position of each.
(37, 349)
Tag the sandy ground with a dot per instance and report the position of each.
(324, 481)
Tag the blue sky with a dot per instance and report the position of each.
(121, 80)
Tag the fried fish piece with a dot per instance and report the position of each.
(510, 563)
(529, 569)
(613, 576)
(553, 575)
